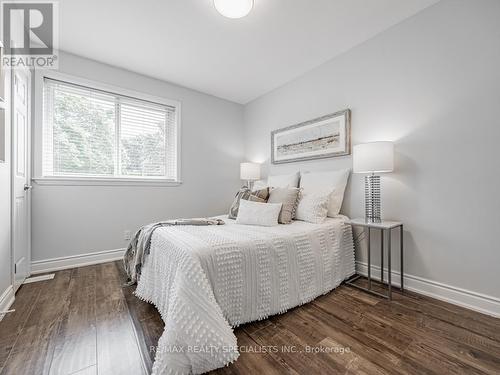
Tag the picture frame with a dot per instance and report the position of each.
(323, 137)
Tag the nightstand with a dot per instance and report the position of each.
(383, 226)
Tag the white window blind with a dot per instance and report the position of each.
(97, 134)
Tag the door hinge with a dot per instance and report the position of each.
(15, 268)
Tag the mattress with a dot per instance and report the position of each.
(206, 280)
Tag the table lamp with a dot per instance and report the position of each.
(249, 172)
(373, 158)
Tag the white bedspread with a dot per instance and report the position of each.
(205, 280)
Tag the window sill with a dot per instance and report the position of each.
(104, 182)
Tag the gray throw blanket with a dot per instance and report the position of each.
(139, 246)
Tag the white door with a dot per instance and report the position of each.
(21, 181)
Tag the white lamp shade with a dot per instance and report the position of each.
(233, 8)
(373, 157)
(249, 171)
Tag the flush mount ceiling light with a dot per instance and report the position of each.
(233, 8)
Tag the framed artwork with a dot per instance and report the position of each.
(323, 137)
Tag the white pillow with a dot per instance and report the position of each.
(259, 185)
(255, 213)
(313, 207)
(284, 180)
(333, 181)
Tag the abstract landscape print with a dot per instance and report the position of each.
(323, 137)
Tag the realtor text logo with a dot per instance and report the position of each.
(29, 34)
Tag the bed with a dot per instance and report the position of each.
(207, 280)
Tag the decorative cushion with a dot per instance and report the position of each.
(284, 180)
(313, 207)
(288, 197)
(254, 213)
(333, 181)
(246, 194)
(261, 193)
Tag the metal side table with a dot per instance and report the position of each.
(383, 226)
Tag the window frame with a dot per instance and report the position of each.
(91, 180)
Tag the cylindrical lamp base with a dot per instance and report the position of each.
(372, 198)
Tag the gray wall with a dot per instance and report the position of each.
(71, 220)
(432, 85)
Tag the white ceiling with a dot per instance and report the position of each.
(188, 43)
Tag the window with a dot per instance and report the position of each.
(95, 134)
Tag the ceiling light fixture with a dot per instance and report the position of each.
(233, 8)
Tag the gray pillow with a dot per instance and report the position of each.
(288, 197)
(246, 194)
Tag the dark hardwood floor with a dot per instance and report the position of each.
(85, 322)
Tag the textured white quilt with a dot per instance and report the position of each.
(206, 280)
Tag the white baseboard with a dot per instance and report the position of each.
(475, 301)
(62, 263)
(6, 300)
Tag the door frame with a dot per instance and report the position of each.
(29, 163)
